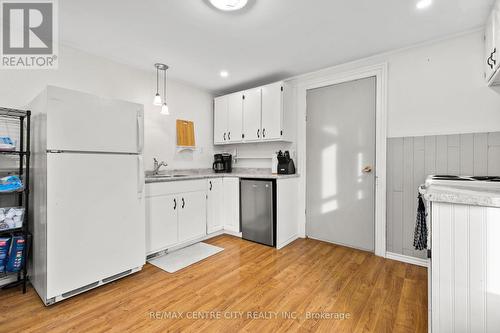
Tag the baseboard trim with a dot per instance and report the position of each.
(407, 259)
(288, 241)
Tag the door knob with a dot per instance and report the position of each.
(367, 169)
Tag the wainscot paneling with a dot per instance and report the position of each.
(411, 159)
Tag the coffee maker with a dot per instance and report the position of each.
(223, 163)
(285, 163)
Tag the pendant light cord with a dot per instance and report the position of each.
(157, 79)
(165, 87)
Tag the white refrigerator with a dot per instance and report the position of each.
(88, 215)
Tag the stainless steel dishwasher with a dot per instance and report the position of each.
(258, 210)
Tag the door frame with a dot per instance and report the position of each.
(327, 78)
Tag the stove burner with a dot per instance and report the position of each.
(474, 178)
(486, 178)
(449, 177)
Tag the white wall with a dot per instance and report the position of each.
(81, 71)
(434, 88)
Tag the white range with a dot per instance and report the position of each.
(88, 192)
(464, 271)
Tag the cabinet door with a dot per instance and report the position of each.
(220, 119)
(495, 22)
(272, 111)
(235, 117)
(192, 215)
(489, 41)
(251, 115)
(161, 222)
(232, 204)
(215, 208)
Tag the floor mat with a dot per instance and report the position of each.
(177, 260)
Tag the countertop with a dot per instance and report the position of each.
(191, 174)
(476, 193)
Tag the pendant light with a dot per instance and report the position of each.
(164, 107)
(157, 99)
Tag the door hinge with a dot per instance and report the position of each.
(243, 96)
(281, 88)
(281, 132)
(242, 136)
(429, 254)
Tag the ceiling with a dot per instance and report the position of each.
(269, 40)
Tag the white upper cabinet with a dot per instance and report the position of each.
(491, 60)
(235, 117)
(220, 119)
(272, 111)
(252, 115)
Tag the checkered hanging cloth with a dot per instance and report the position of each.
(420, 235)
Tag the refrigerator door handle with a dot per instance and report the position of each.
(140, 132)
(140, 177)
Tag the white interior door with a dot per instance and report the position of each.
(82, 122)
(192, 215)
(340, 163)
(251, 115)
(272, 104)
(95, 219)
(235, 117)
(220, 119)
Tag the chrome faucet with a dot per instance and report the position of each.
(157, 166)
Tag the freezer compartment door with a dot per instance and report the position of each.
(257, 216)
(95, 218)
(82, 122)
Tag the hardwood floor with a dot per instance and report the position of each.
(304, 280)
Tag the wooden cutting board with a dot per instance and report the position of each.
(185, 133)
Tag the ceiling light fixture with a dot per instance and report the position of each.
(422, 4)
(158, 100)
(229, 5)
(224, 74)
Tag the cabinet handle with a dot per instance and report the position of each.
(224, 136)
(492, 53)
(175, 203)
(488, 62)
(263, 132)
(210, 185)
(258, 133)
(183, 203)
(229, 136)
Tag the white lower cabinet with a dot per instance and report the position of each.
(179, 212)
(161, 222)
(231, 189)
(192, 220)
(215, 206)
(175, 214)
(287, 198)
